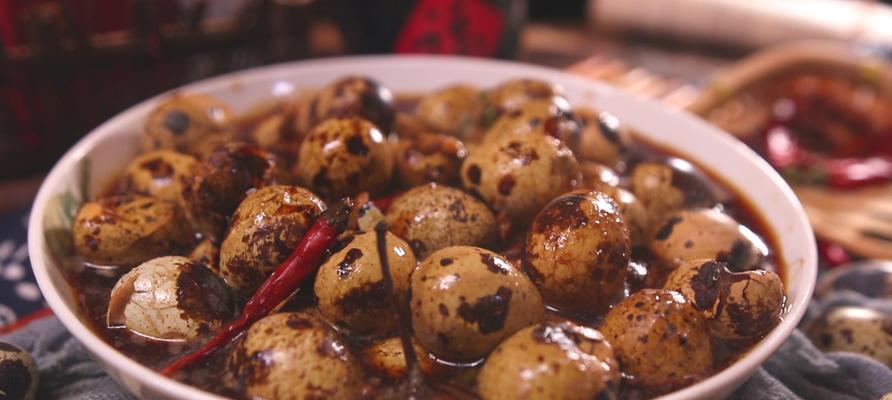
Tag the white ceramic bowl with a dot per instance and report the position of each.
(106, 150)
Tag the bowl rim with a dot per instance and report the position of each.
(112, 358)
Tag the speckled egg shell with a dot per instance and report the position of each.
(293, 356)
(160, 173)
(856, 329)
(19, 375)
(551, 361)
(226, 174)
(355, 96)
(737, 305)
(539, 117)
(510, 95)
(668, 185)
(127, 230)
(351, 289)
(602, 138)
(263, 231)
(634, 213)
(170, 298)
(577, 252)
(706, 234)
(342, 157)
(429, 158)
(432, 217)
(454, 110)
(465, 300)
(518, 175)
(187, 123)
(871, 278)
(660, 339)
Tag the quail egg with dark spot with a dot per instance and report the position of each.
(429, 158)
(671, 184)
(551, 361)
(355, 96)
(856, 329)
(706, 234)
(342, 157)
(510, 95)
(634, 214)
(350, 288)
(263, 231)
(551, 118)
(187, 123)
(577, 252)
(660, 339)
(127, 230)
(465, 300)
(19, 375)
(454, 110)
(161, 173)
(518, 175)
(737, 305)
(227, 173)
(432, 217)
(602, 138)
(294, 356)
(170, 298)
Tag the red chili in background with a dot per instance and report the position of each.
(783, 151)
(281, 284)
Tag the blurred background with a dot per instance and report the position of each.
(68, 65)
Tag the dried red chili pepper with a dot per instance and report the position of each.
(283, 282)
(783, 151)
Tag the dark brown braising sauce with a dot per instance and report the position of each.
(93, 286)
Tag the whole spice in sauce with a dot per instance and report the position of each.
(286, 279)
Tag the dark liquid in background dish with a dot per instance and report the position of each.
(92, 289)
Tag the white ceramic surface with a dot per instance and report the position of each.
(106, 150)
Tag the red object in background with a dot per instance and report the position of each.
(832, 254)
(469, 27)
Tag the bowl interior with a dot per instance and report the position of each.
(105, 151)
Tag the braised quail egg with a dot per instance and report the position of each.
(856, 329)
(660, 339)
(454, 110)
(706, 233)
(263, 231)
(187, 123)
(737, 305)
(518, 175)
(350, 287)
(19, 375)
(432, 217)
(465, 300)
(342, 157)
(538, 118)
(161, 173)
(429, 158)
(127, 230)
(294, 356)
(551, 361)
(602, 138)
(577, 251)
(355, 96)
(169, 298)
